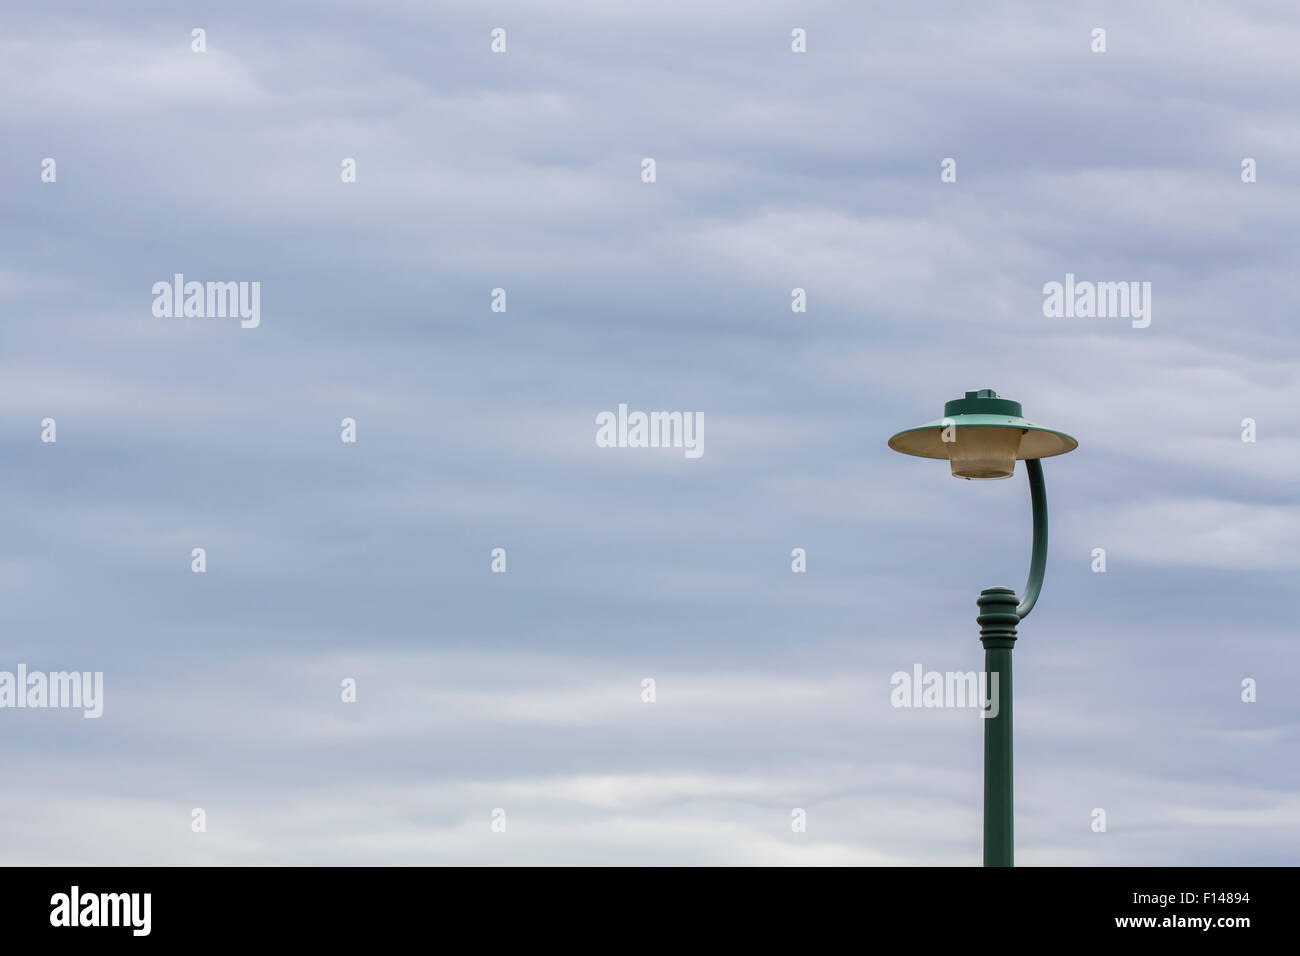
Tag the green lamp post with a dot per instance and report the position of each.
(982, 436)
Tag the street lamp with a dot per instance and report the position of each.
(982, 436)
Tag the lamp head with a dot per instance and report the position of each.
(982, 436)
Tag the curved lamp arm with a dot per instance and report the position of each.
(1038, 560)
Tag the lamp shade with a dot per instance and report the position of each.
(982, 436)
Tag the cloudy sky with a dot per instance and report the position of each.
(522, 170)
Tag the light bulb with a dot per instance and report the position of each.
(984, 452)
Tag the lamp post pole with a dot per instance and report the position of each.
(997, 620)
